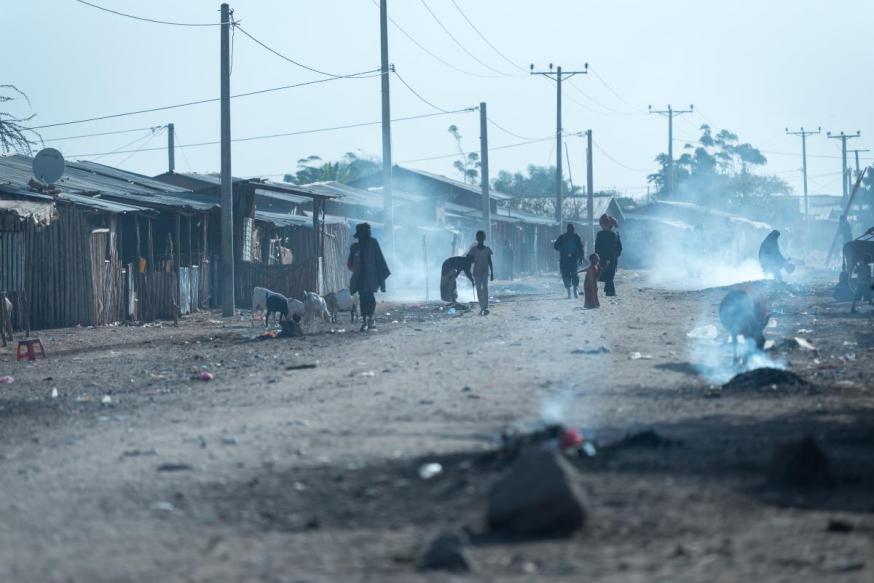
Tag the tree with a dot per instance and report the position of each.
(348, 169)
(468, 163)
(14, 136)
(535, 191)
(718, 170)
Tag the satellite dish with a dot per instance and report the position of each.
(48, 165)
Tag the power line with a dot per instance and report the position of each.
(460, 45)
(504, 147)
(418, 95)
(482, 36)
(614, 92)
(151, 20)
(140, 149)
(113, 133)
(362, 75)
(617, 162)
(284, 134)
(508, 132)
(123, 148)
(289, 59)
(433, 55)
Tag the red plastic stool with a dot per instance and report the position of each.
(29, 343)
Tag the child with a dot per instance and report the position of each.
(481, 257)
(590, 284)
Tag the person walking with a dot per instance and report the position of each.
(509, 257)
(369, 272)
(608, 247)
(483, 271)
(571, 252)
(590, 283)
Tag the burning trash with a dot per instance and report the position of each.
(548, 436)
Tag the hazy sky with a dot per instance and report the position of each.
(750, 66)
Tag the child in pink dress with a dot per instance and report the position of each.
(590, 284)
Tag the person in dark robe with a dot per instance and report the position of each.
(369, 272)
(771, 259)
(449, 272)
(571, 252)
(608, 247)
(509, 256)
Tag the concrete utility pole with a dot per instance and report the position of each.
(227, 217)
(856, 156)
(484, 169)
(388, 218)
(590, 192)
(557, 76)
(843, 138)
(171, 148)
(804, 133)
(671, 113)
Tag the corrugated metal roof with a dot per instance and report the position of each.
(472, 188)
(282, 220)
(372, 198)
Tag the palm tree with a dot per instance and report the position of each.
(13, 135)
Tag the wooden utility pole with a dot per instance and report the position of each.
(558, 75)
(844, 182)
(590, 192)
(484, 168)
(671, 113)
(388, 202)
(804, 133)
(227, 217)
(171, 148)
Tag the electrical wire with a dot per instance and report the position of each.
(151, 20)
(460, 45)
(124, 147)
(433, 55)
(281, 135)
(609, 110)
(362, 75)
(141, 148)
(113, 133)
(617, 162)
(614, 92)
(495, 148)
(508, 132)
(486, 40)
(289, 59)
(418, 95)
(184, 155)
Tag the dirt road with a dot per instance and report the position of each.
(272, 472)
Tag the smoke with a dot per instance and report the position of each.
(711, 353)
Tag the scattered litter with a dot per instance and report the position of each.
(804, 331)
(848, 343)
(451, 312)
(300, 366)
(230, 440)
(55, 393)
(7, 380)
(139, 452)
(204, 376)
(772, 323)
(428, 471)
(299, 487)
(368, 373)
(639, 356)
(799, 463)
(708, 332)
(163, 507)
(765, 378)
(791, 345)
(106, 400)
(175, 467)
(805, 344)
(599, 350)
(84, 398)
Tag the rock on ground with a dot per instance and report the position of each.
(447, 552)
(765, 378)
(541, 496)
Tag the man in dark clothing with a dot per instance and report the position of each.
(369, 272)
(608, 246)
(771, 259)
(571, 253)
(449, 272)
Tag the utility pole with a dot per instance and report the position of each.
(843, 138)
(671, 113)
(804, 133)
(590, 192)
(856, 156)
(557, 76)
(171, 148)
(227, 217)
(388, 203)
(484, 169)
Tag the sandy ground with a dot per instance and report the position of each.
(136, 472)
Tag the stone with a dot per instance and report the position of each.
(541, 496)
(799, 463)
(447, 552)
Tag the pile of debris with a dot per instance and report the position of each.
(766, 379)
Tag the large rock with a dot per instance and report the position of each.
(447, 552)
(541, 497)
(799, 463)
